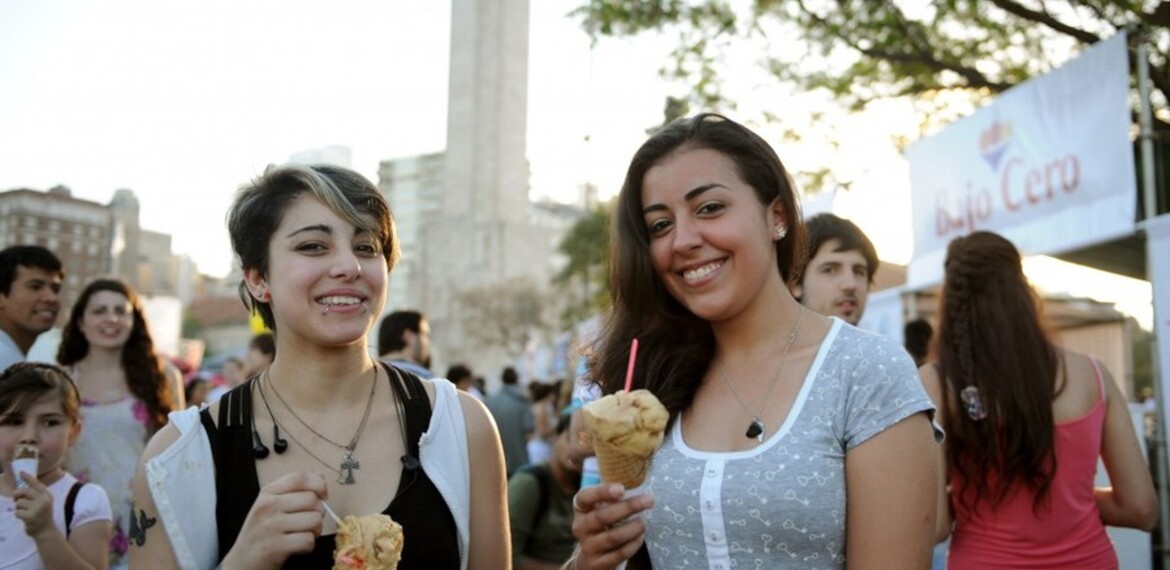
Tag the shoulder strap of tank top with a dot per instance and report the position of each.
(1100, 380)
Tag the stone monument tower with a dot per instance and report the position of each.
(483, 233)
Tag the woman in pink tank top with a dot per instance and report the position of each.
(1025, 423)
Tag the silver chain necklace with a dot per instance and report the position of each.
(756, 428)
(340, 476)
(348, 463)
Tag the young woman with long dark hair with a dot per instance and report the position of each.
(795, 439)
(127, 390)
(1026, 422)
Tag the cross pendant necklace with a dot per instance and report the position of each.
(348, 464)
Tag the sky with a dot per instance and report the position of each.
(183, 103)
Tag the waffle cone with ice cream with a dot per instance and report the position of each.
(370, 542)
(627, 428)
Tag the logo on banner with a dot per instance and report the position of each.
(993, 143)
(1021, 181)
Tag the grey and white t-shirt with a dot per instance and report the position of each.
(782, 504)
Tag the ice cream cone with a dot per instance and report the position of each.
(627, 428)
(370, 542)
(25, 459)
(619, 466)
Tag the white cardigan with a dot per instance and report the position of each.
(182, 477)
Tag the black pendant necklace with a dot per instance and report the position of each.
(756, 428)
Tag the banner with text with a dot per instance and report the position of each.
(1049, 165)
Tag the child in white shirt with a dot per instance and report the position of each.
(47, 518)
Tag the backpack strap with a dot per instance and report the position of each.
(70, 501)
(409, 390)
(415, 415)
(233, 454)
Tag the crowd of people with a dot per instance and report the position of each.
(795, 439)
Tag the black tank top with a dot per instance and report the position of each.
(430, 537)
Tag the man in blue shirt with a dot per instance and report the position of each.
(404, 341)
(512, 411)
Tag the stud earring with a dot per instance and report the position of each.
(781, 232)
(264, 296)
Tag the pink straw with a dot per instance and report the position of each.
(630, 368)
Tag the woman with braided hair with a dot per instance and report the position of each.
(1025, 421)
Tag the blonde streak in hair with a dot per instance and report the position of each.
(324, 189)
(329, 193)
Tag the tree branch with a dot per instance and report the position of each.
(1159, 18)
(1016, 9)
(920, 56)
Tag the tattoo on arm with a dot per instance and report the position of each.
(138, 525)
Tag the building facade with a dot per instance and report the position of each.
(78, 231)
(94, 240)
(337, 155)
(414, 187)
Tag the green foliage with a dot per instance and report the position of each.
(585, 277)
(191, 326)
(864, 50)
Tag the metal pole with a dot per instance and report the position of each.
(1146, 122)
(1159, 444)
(1149, 194)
